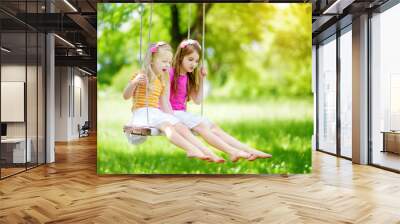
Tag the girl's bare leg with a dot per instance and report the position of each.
(187, 134)
(216, 141)
(177, 139)
(237, 144)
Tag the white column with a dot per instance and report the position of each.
(360, 90)
(50, 94)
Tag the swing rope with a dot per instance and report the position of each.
(141, 11)
(189, 21)
(147, 80)
(146, 131)
(143, 131)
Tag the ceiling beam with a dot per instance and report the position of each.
(337, 7)
(81, 61)
(86, 26)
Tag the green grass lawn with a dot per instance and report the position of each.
(281, 128)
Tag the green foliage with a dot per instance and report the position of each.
(123, 76)
(253, 49)
(113, 43)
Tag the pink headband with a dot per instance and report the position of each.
(154, 48)
(189, 41)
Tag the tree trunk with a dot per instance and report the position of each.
(175, 30)
(196, 28)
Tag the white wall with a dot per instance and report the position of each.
(16, 73)
(33, 127)
(71, 93)
(80, 83)
(61, 103)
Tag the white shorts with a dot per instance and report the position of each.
(156, 117)
(191, 120)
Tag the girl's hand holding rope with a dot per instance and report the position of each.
(139, 79)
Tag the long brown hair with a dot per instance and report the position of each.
(193, 77)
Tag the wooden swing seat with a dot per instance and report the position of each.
(142, 131)
(147, 131)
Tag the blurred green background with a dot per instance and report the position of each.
(259, 64)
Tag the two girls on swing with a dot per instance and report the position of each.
(168, 91)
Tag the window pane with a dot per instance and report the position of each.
(14, 150)
(346, 94)
(327, 97)
(41, 99)
(31, 97)
(386, 88)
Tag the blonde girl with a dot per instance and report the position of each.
(186, 84)
(153, 77)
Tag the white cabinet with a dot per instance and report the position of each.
(18, 149)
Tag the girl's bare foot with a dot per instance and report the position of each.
(217, 159)
(211, 157)
(255, 156)
(252, 157)
(199, 155)
(239, 154)
(260, 154)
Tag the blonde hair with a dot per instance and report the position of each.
(154, 51)
(193, 77)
